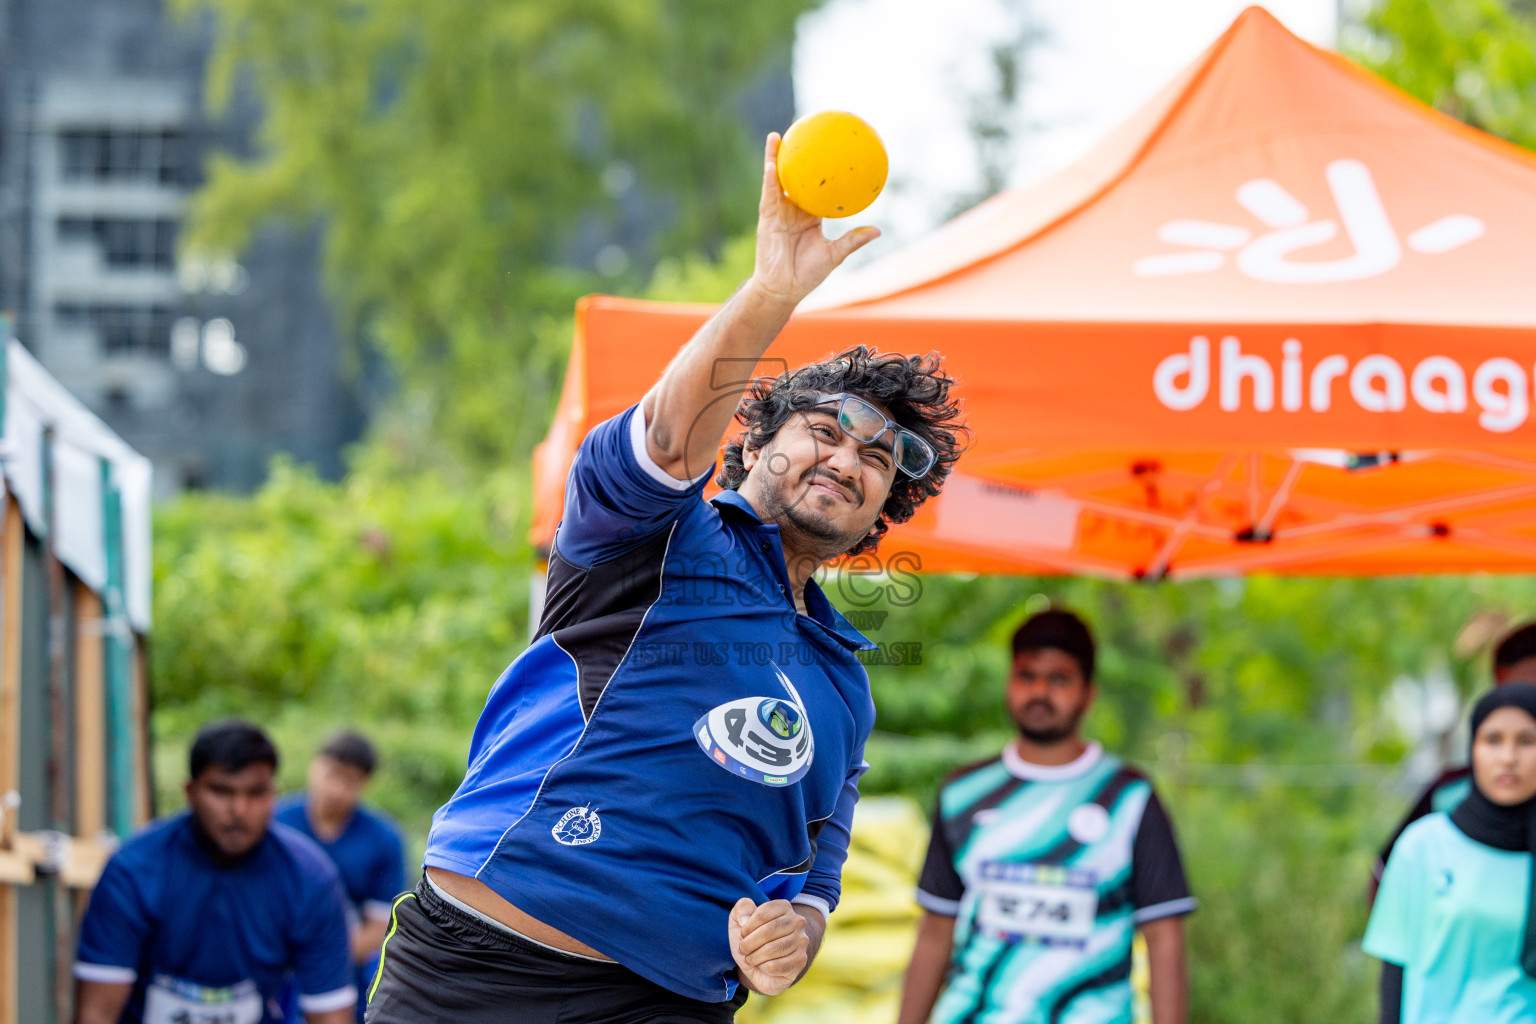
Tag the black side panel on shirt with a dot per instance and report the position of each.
(1391, 989)
(1157, 870)
(939, 877)
(812, 831)
(595, 613)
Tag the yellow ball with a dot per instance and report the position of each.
(832, 164)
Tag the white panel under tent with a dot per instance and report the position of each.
(36, 404)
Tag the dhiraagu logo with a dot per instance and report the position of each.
(764, 739)
(1378, 383)
(1269, 255)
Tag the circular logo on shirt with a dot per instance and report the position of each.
(577, 827)
(1088, 823)
(764, 739)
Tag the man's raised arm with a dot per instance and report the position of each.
(689, 410)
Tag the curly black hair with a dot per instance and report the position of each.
(915, 390)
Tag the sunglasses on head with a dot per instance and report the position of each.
(866, 424)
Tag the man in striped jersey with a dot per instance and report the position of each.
(1044, 862)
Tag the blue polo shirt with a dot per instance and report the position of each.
(370, 858)
(194, 936)
(676, 736)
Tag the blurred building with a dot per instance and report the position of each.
(209, 368)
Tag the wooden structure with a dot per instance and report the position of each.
(74, 608)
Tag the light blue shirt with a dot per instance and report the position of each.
(1452, 911)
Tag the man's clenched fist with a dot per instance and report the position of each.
(772, 944)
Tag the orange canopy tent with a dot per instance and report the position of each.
(1282, 320)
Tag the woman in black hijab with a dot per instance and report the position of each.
(1455, 906)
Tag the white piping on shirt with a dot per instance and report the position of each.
(648, 466)
(1168, 908)
(325, 1002)
(937, 904)
(106, 974)
(661, 581)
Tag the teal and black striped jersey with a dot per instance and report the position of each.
(1049, 869)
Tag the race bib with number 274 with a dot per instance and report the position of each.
(1037, 903)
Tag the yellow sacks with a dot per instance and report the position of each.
(856, 979)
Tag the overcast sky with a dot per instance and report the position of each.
(912, 67)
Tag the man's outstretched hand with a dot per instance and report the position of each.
(772, 944)
(691, 407)
(793, 256)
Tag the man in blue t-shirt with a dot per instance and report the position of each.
(205, 917)
(656, 809)
(363, 843)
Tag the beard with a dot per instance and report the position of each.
(809, 524)
(1053, 732)
(217, 847)
(788, 505)
(1046, 737)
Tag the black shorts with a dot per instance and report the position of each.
(440, 964)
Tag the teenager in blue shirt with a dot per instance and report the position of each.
(1455, 905)
(205, 917)
(660, 788)
(363, 843)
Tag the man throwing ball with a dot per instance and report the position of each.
(656, 811)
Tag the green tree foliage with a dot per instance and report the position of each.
(460, 152)
(383, 602)
(1473, 59)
